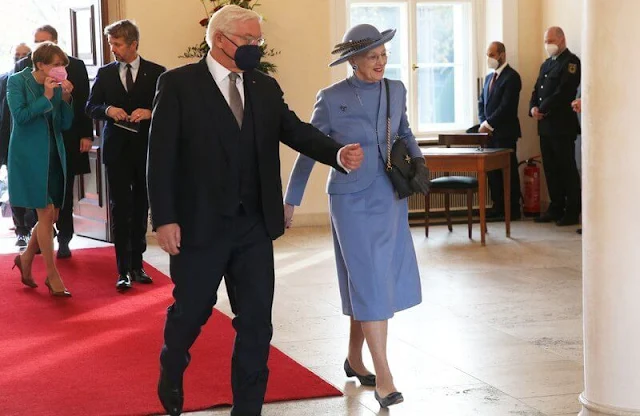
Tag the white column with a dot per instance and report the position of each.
(611, 207)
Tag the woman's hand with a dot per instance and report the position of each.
(49, 86)
(67, 88)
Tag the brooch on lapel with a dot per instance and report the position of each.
(343, 108)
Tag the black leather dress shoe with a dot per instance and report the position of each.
(170, 394)
(124, 282)
(568, 220)
(141, 276)
(63, 251)
(547, 217)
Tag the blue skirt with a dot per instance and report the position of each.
(376, 261)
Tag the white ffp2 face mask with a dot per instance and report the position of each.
(551, 48)
(492, 63)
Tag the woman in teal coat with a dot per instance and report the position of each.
(39, 101)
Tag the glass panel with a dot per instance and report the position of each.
(435, 26)
(436, 101)
(393, 73)
(383, 17)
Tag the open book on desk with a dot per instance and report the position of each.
(127, 125)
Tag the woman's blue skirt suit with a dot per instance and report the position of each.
(36, 160)
(375, 258)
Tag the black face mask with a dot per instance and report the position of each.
(247, 57)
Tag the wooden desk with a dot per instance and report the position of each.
(466, 159)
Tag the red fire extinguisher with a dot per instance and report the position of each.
(531, 195)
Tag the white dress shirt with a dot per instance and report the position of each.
(220, 75)
(498, 71)
(122, 69)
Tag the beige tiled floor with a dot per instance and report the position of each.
(499, 331)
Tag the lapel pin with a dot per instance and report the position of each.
(343, 108)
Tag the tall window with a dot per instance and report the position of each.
(432, 53)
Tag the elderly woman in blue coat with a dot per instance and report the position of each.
(39, 101)
(376, 262)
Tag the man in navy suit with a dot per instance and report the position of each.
(498, 114)
(216, 198)
(123, 96)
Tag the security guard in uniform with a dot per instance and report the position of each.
(558, 128)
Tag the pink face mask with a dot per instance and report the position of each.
(59, 73)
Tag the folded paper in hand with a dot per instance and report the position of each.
(128, 125)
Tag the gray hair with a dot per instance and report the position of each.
(224, 20)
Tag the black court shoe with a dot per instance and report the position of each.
(389, 400)
(366, 380)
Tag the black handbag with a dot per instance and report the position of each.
(399, 166)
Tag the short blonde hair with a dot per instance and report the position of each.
(45, 52)
(224, 20)
(125, 29)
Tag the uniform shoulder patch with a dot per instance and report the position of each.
(573, 68)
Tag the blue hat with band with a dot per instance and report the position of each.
(358, 39)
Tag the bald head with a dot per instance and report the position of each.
(555, 36)
(497, 51)
(20, 51)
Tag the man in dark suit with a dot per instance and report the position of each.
(558, 128)
(216, 198)
(123, 96)
(77, 142)
(498, 114)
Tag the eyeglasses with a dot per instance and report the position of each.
(373, 58)
(250, 40)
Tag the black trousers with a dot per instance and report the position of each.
(243, 251)
(561, 171)
(64, 225)
(129, 212)
(496, 184)
(24, 219)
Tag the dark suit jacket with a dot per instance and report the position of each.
(500, 106)
(82, 126)
(191, 150)
(555, 88)
(109, 91)
(5, 119)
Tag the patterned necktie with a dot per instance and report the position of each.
(235, 103)
(129, 78)
(493, 81)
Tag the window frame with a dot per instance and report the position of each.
(409, 70)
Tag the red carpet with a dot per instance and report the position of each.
(97, 353)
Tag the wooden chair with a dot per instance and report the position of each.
(448, 185)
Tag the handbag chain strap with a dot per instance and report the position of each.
(386, 87)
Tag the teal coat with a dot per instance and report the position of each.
(28, 164)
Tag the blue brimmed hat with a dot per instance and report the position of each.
(358, 39)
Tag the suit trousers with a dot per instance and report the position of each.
(561, 171)
(24, 219)
(496, 184)
(64, 225)
(129, 212)
(242, 251)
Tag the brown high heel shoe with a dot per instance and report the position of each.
(17, 262)
(62, 294)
